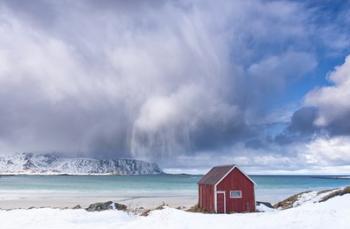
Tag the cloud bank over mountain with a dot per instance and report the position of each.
(174, 81)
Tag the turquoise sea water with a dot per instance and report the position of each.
(269, 188)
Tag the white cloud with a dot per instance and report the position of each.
(322, 155)
(325, 151)
(332, 101)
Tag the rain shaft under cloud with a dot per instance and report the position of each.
(155, 80)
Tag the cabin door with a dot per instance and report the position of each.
(220, 202)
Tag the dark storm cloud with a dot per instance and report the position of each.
(113, 79)
(146, 79)
(41, 12)
(303, 124)
(326, 109)
(300, 128)
(303, 120)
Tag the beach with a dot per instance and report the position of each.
(84, 201)
(139, 191)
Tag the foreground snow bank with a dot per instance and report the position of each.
(333, 213)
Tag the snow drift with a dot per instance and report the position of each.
(333, 213)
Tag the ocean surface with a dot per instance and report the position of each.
(269, 188)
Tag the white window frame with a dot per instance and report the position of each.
(236, 197)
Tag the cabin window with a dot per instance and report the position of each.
(235, 194)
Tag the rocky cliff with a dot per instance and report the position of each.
(53, 164)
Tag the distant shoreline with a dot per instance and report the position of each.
(169, 174)
(80, 174)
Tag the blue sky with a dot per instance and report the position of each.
(187, 83)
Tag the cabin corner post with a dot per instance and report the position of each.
(199, 197)
(215, 199)
(254, 196)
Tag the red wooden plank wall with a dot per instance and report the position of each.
(236, 180)
(206, 197)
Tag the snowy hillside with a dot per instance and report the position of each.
(29, 163)
(308, 197)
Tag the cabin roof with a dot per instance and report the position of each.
(215, 174)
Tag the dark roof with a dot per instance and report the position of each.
(215, 174)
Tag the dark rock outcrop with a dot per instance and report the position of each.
(77, 207)
(109, 205)
(340, 192)
(28, 165)
(288, 203)
(267, 204)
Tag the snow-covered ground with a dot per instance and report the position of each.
(333, 213)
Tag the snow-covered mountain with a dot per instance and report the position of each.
(29, 163)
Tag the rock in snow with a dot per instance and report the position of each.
(264, 207)
(53, 164)
(106, 206)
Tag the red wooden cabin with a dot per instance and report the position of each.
(226, 189)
